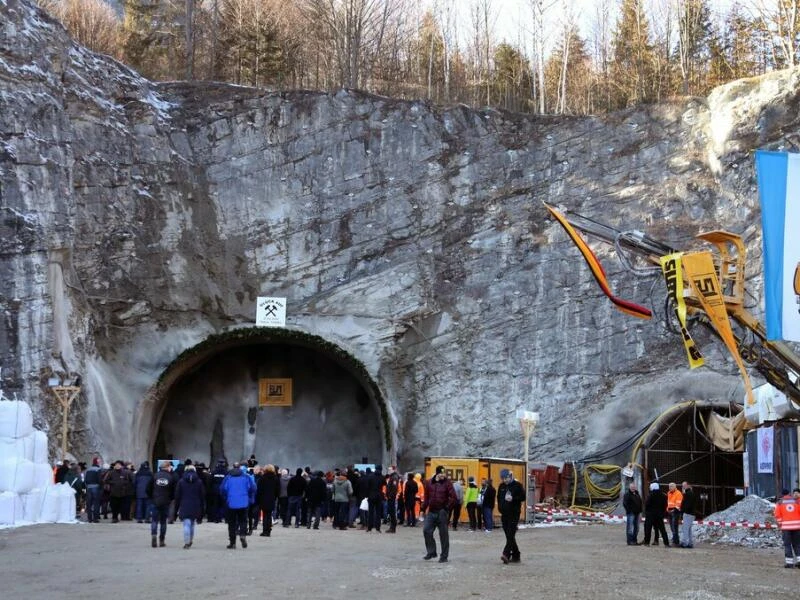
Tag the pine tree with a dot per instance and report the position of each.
(633, 57)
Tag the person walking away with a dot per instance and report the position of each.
(315, 493)
(632, 503)
(455, 512)
(94, 490)
(510, 496)
(655, 509)
(374, 490)
(105, 494)
(687, 512)
(489, 496)
(140, 482)
(161, 492)
(120, 485)
(439, 499)
(410, 498)
(674, 499)
(392, 487)
(267, 490)
(471, 500)
(295, 490)
(787, 514)
(342, 492)
(190, 502)
(238, 491)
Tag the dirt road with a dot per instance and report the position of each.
(115, 561)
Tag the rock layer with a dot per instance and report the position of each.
(138, 219)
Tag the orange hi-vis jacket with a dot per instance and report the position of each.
(787, 513)
(674, 500)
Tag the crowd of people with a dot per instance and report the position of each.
(246, 495)
(677, 506)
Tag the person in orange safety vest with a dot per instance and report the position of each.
(674, 499)
(787, 514)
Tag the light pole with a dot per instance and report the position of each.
(65, 394)
(528, 420)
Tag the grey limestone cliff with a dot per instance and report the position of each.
(139, 222)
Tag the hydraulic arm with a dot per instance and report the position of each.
(774, 360)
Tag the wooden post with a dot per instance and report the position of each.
(65, 394)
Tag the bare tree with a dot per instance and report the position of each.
(569, 28)
(780, 19)
(92, 23)
(540, 10)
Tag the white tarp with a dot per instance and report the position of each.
(41, 455)
(20, 448)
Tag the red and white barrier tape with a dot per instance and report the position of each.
(621, 519)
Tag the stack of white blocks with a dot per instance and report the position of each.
(27, 492)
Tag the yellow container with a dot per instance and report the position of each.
(459, 468)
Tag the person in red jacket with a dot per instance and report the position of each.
(787, 514)
(440, 497)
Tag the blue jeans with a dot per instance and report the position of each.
(632, 527)
(93, 495)
(295, 509)
(188, 531)
(142, 508)
(488, 518)
(158, 518)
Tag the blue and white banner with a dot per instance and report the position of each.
(779, 192)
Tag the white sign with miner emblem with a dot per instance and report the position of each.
(271, 312)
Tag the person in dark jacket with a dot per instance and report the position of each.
(687, 511)
(510, 496)
(93, 481)
(238, 491)
(120, 486)
(141, 480)
(267, 490)
(391, 487)
(214, 501)
(489, 495)
(161, 492)
(374, 494)
(316, 493)
(410, 498)
(74, 480)
(190, 502)
(295, 490)
(440, 497)
(655, 509)
(632, 503)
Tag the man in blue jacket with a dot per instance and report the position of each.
(238, 491)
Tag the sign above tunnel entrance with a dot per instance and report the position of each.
(274, 392)
(270, 312)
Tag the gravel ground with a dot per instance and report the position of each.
(580, 561)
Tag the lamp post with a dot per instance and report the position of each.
(65, 394)
(528, 420)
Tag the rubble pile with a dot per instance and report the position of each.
(751, 509)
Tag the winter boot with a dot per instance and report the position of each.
(161, 542)
(153, 541)
(244, 541)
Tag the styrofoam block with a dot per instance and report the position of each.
(41, 455)
(66, 504)
(16, 448)
(16, 476)
(32, 505)
(10, 508)
(49, 511)
(42, 476)
(16, 419)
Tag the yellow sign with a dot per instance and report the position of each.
(274, 392)
(702, 276)
(673, 275)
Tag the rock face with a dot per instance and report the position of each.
(141, 220)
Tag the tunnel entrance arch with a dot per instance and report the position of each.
(205, 405)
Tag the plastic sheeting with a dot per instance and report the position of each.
(16, 476)
(727, 434)
(11, 510)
